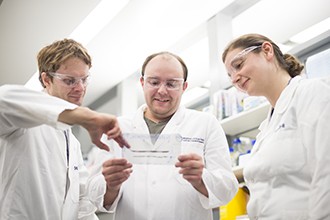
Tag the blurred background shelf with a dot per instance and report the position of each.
(245, 123)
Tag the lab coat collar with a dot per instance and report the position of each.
(176, 119)
(179, 115)
(282, 104)
(287, 95)
(138, 120)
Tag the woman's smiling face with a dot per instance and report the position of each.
(247, 69)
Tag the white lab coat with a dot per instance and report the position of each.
(159, 192)
(288, 174)
(33, 161)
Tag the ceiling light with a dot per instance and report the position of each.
(88, 29)
(102, 14)
(311, 32)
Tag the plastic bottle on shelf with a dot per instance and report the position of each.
(246, 147)
(238, 146)
(233, 156)
(235, 150)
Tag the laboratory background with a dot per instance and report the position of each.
(119, 35)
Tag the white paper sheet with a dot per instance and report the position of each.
(164, 151)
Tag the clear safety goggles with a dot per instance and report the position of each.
(170, 84)
(71, 81)
(237, 62)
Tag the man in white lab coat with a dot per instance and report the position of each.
(42, 175)
(199, 180)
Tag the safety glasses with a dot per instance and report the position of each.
(170, 84)
(70, 81)
(238, 61)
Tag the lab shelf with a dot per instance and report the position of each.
(245, 123)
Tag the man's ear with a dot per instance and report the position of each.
(45, 79)
(142, 81)
(185, 85)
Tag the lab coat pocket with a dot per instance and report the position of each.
(288, 152)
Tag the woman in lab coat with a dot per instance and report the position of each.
(288, 175)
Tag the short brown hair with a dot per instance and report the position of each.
(52, 56)
(184, 67)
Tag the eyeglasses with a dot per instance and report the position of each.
(238, 61)
(71, 81)
(170, 84)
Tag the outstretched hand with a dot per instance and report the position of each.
(96, 124)
(108, 125)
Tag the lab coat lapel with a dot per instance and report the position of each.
(173, 124)
(271, 122)
(138, 123)
(171, 128)
(140, 126)
(286, 96)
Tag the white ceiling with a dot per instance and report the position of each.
(141, 28)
